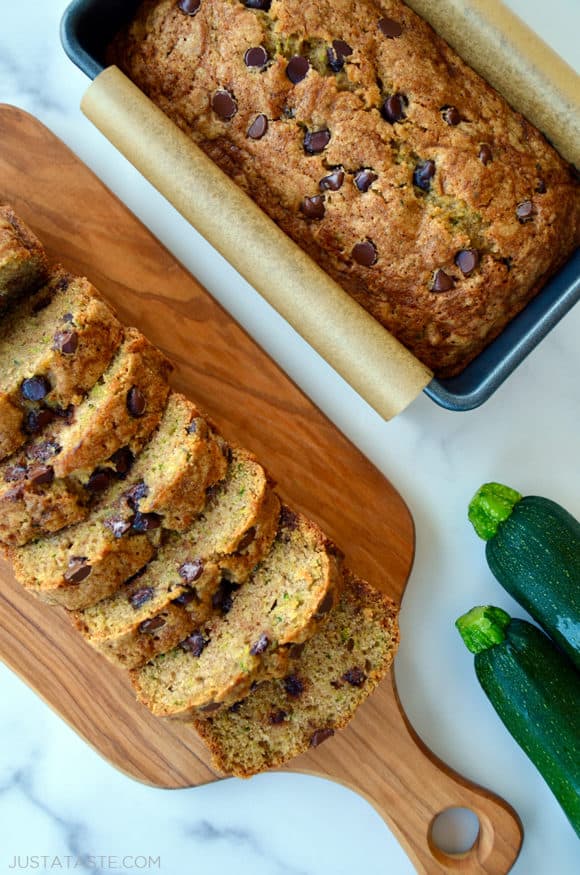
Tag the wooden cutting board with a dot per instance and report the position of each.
(319, 471)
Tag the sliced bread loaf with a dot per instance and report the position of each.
(54, 346)
(282, 604)
(338, 668)
(186, 582)
(23, 262)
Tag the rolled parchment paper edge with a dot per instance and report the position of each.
(532, 77)
(364, 353)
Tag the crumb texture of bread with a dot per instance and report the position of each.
(23, 262)
(365, 137)
(287, 598)
(337, 670)
(54, 346)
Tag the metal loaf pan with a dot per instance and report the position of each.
(88, 26)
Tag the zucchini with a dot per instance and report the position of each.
(535, 691)
(533, 550)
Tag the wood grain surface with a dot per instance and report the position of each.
(83, 225)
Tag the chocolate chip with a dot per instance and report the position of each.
(78, 569)
(194, 644)
(288, 519)
(297, 650)
(42, 451)
(354, 676)
(342, 48)
(189, 7)
(423, 174)
(66, 413)
(541, 187)
(224, 105)
(122, 460)
(525, 211)
(34, 388)
(390, 28)
(36, 420)
(99, 480)
(138, 598)
(213, 706)
(15, 473)
(191, 570)
(262, 5)
(365, 253)
(467, 260)
(393, 108)
(316, 141)
(256, 57)
(442, 282)
(15, 494)
(364, 179)
(118, 525)
(136, 402)
(297, 69)
(153, 624)
(485, 154)
(186, 598)
(247, 539)
(325, 605)
(332, 182)
(233, 709)
(66, 342)
(222, 599)
(293, 686)
(321, 735)
(451, 115)
(277, 717)
(258, 127)
(146, 522)
(41, 475)
(68, 317)
(134, 495)
(335, 62)
(260, 645)
(313, 207)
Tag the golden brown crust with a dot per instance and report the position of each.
(23, 262)
(338, 669)
(498, 190)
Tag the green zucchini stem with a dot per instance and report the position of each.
(483, 627)
(491, 505)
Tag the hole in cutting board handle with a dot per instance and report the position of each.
(453, 834)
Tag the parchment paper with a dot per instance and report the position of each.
(370, 359)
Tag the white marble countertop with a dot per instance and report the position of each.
(59, 799)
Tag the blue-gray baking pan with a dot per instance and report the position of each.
(88, 26)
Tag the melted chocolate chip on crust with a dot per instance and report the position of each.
(224, 105)
(332, 182)
(451, 115)
(485, 154)
(316, 141)
(390, 28)
(364, 179)
(297, 69)
(189, 7)
(313, 207)
(258, 127)
(423, 174)
(442, 282)
(467, 260)
(256, 57)
(525, 211)
(262, 5)
(365, 253)
(393, 109)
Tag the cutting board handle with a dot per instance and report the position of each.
(409, 787)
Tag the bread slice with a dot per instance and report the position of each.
(283, 603)
(121, 410)
(54, 346)
(187, 581)
(339, 667)
(23, 262)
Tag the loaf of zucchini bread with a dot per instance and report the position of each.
(368, 140)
